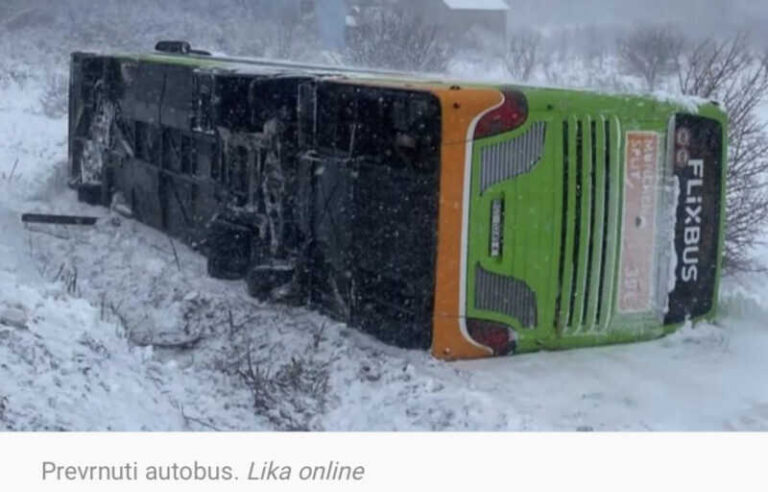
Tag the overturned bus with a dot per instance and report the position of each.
(475, 219)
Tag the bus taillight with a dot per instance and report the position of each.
(512, 114)
(496, 336)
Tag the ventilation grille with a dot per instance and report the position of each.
(590, 197)
(512, 158)
(505, 295)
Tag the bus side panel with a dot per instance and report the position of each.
(378, 165)
(228, 176)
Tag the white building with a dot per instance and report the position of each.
(464, 15)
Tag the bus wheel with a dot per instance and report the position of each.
(271, 282)
(90, 193)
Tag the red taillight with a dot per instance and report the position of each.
(512, 114)
(496, 336)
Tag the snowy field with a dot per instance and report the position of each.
(91, 320)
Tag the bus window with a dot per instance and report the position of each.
(188, 155)
(203, 119)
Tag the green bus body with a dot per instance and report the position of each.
(546, 208)
(540, 228)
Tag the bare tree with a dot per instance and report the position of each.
(729, 72)
(522, 54)
(594, 50)
(392, 38)
(289, 34)
(16, 16)
(651, 52)
(3, 407)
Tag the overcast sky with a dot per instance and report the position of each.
(707, 14)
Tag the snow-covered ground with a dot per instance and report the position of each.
(91, 319)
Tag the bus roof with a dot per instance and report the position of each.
(392, 78)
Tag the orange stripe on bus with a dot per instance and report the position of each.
(459, 110)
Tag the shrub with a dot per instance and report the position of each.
(394, 39)
(651, 53)
(54, 100)
(522, 54)
(729, 71)
(290, 396)
(3, 407)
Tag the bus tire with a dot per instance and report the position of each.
(92, 194)
(264, 282)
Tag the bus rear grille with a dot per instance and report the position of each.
(590, 198)
(512, 158)
(505, 295)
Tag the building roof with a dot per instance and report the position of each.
(476, 4)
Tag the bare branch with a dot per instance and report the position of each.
(522, 54)
(395, 39)
(651, 53)
(728, 71)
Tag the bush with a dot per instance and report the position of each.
(729, 71)
(290, 396)
(522, 54)
(651, 53)
(3, 407)
(394, 39)
(54, 100)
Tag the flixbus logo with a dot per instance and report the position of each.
(698, 167)
(694, 202)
